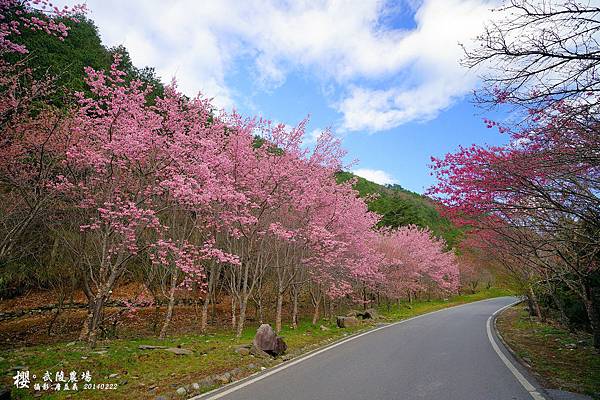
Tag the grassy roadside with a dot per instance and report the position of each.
(143, 374)
(560, 359)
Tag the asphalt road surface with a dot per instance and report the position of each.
(443, 355)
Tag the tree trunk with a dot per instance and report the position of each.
(294, 308)
(260, 309)
(315, 317)
(163, 330)
(534, 301)
(233, 318)
(242, 317)
(278, 314)
(209, 294)
(593, 316)
(204, 317)
(96, 318)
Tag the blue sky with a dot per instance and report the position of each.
(383, 75)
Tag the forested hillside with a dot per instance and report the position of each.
(67, 59)
(399, 207)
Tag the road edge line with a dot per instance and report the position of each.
(235, 386)
(527, 385)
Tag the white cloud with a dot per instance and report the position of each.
(343, 43)
(435, 77)
(375, 175)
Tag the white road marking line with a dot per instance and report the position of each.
(235, 386)
(522, 380)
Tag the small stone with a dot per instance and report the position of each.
(70, 344)
(262, 368)
(195, 386)
(324, 328)
(251, 366)
(243, 351)
(258, 352)
(224, 378)
(84, 357)
(150, 347)
(160, 398)
(346, 322)
(111, 376)
(206, 383)
(181, 391)
(180, 352)
(100, 352)
(571, 346)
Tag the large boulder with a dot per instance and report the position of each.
(267, 340)
(370, 313)
(347, 322)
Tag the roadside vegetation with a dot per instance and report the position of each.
(560, 358)
(142, 374)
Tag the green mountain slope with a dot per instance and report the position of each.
(398, 207)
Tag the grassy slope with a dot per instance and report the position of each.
(545, 348)
(213, 353)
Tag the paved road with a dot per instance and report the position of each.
(444, 355)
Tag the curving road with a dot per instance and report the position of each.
(450, 354)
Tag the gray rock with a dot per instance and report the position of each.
(181, 391)
(370, 313)
(224, 378)
(243, 350)
(150, 347)
(251, 366)
(179, 352)
(236, 372)
(111, 376)
(346, 322)
(255, 351)
(267, 340)
(160, 398)
(207, 383)
(195, 386)
(324, 328)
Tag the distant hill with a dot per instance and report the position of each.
(398, 207)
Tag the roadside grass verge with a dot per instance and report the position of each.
(144, 374)
(560, 359)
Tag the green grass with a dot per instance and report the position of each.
(545, 347)
(213, 353)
